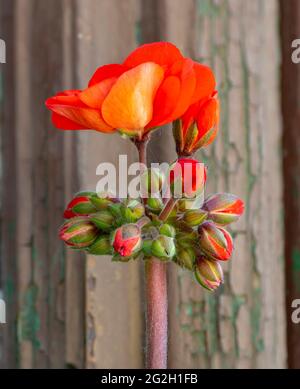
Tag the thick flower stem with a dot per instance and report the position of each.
(156, 300)
(168, 208)
(157, 314)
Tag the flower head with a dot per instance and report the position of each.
(153, 86)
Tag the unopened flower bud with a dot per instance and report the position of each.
(102, 200)
(178, 135)
(215, 241)
(168, 230)
(132, 211)
(209, 274)
(79, 206)
(78, 232)
(198, 127)
(116, 209)
(223, 208)
(101, 246)
(147, 243)
(151, 182)
(186, 239)
(127, 240)
(155, 204)
(103, 219)
(163, 247)
(187, 178)
(194, 217)
(185, 257)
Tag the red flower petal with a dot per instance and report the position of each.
(208, 117)
(165, 100)
(72, 108)
(162, 53)
(205, 84)
(95, 95)
(63, 123)
(129, 104)
(107, 71)
(188, 84)
(173, 98)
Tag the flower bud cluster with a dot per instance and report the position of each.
(195, 239)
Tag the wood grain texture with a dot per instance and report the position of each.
(290, 30)
(40, 180)
(8, 188)
(113, 291)
(36, 185)
(243, 324)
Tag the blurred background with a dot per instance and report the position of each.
(65, 310)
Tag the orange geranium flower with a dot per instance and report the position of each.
(154, 86)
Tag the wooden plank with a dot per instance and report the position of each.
(113, 291)
(8, 191)
(75, 264)
(290, 30)
(40, 185)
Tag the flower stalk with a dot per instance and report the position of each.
(156, 294)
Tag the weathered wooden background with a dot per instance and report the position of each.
(67, 310)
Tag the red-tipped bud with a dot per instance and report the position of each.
(208, 273)
(223, 208)
(198, 127)
(78, 232)
(79, 206)
(215, 241)
(127, 240)
(187, 177)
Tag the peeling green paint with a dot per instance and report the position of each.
(208, 8)
(28, 320)
(296, 260)
(212, 320)
(296, 268)
(256, 320)
(9, 289)
(237, 302)
(138, 32)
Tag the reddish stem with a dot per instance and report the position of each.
(157, 314)
(156, 299)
